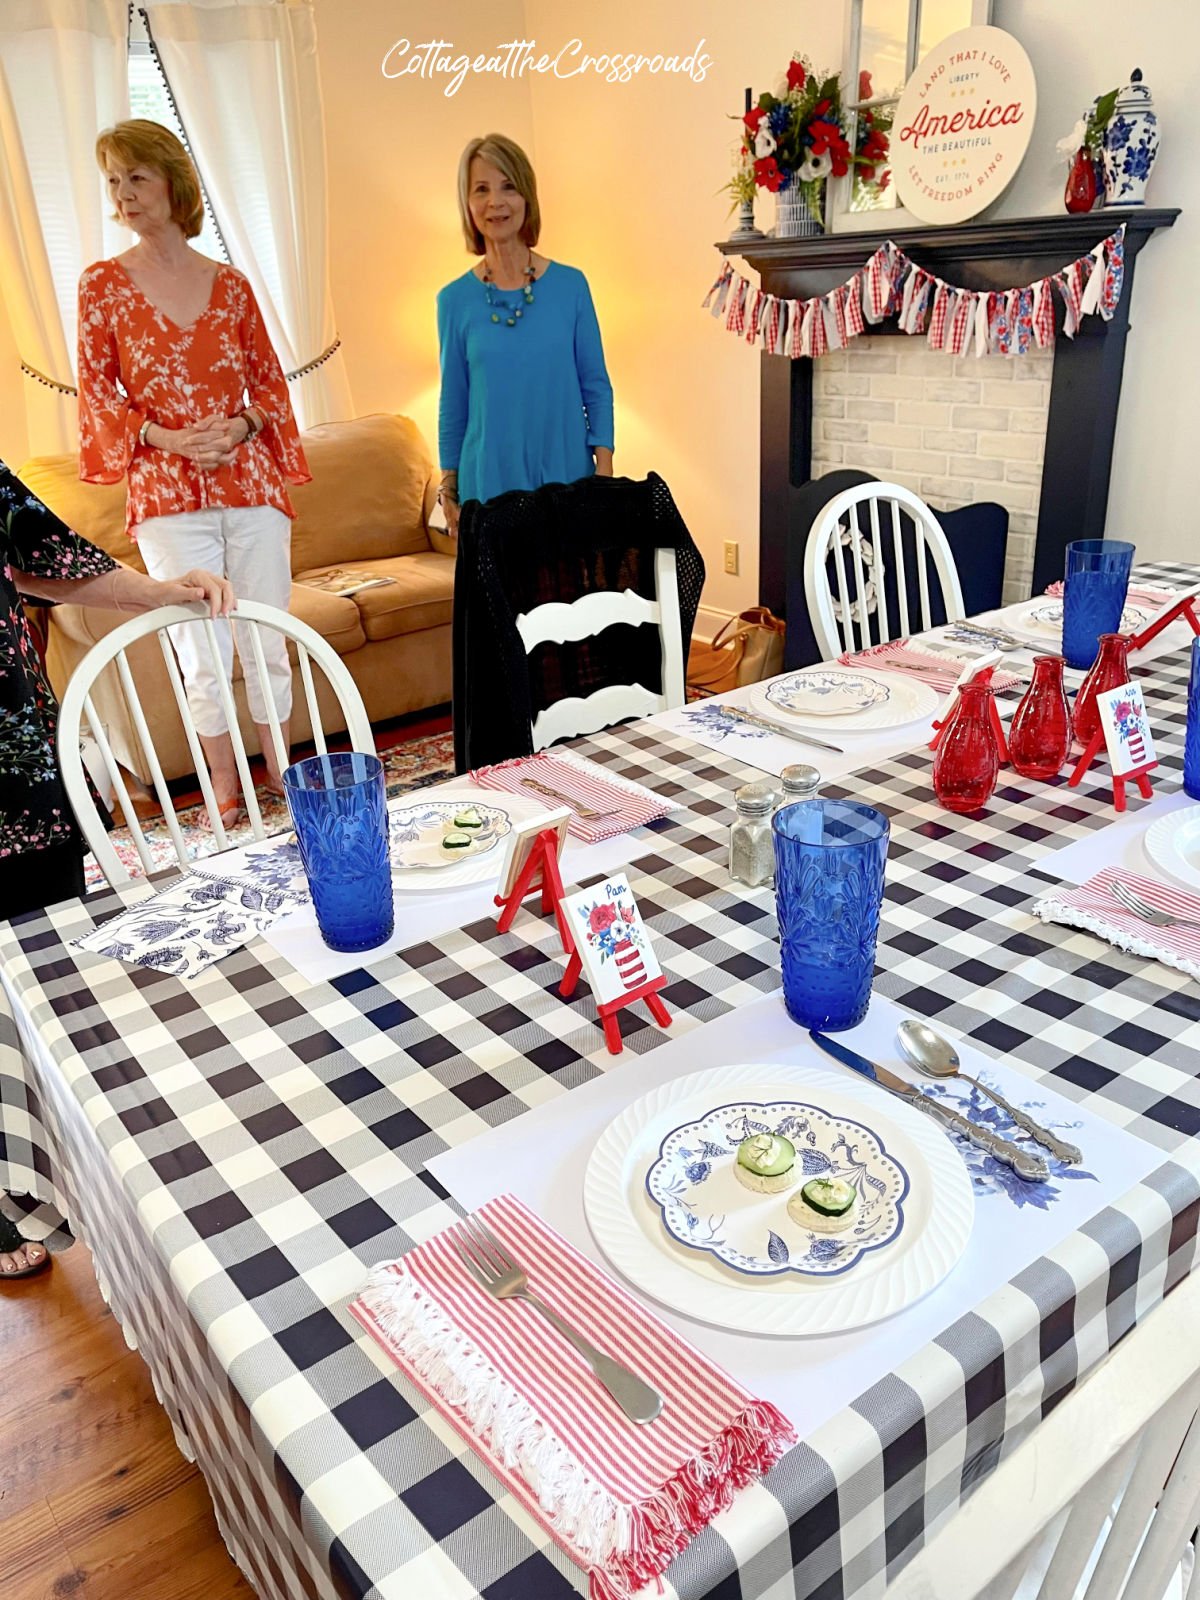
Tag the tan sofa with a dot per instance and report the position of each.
(368, 505)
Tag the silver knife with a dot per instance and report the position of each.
(1023, 1162)
(784, 733)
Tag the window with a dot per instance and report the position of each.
(149, 97)
(884, 41)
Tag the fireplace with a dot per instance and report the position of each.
(1083, 381)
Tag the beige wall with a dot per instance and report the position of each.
(628, 175)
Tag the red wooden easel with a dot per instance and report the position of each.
(539, 871)
(608, 1010)
(1138, 775)
(1182, 608)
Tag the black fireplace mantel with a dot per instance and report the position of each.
(1084, 393)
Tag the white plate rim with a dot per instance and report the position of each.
(878, 1289)
(1161, 842)
(1025, 618)
(922, 702)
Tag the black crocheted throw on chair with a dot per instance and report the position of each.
(560, 542)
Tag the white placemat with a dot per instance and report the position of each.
(1177, 637)
(428, 915)
(703, 723)
(541, 1157)
(1117, 845)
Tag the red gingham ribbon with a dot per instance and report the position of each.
(937, 317)
(735, 320)
(818, 342)
(753, 308)
(876, 285)
(852, 307)
(838, 300)
(961, 323)
(1043, 314)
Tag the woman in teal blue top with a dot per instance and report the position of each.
(525, 395)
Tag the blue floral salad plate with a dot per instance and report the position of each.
(693, 1182)
(417, 831)
(826, 692)
(1047, 617)
(665, 1207)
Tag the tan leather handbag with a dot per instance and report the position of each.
(747, 649)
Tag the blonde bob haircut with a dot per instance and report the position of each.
(139, 143)
(512, 161)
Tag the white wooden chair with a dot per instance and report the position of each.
(862, 521)
(1044, 1524)
(559, 623)
(77, 704)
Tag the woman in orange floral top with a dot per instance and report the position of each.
(181, 394)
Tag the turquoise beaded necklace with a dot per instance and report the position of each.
(512, 313)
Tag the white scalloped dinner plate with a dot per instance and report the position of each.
(907, 701)
(1173, 844)
(628, 1226)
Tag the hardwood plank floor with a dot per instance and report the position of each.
(96, 1503)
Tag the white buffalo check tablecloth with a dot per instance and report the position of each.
(239, 1151)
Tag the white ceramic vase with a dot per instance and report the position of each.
(1130, 145)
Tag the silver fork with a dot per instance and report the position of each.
(493, 1268)
(584, 813)
(1132, 901)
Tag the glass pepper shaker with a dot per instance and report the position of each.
(751, 845)
(799, 782)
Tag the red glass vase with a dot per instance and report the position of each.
(1080, 192)
(1039, 740)
(1109, 670)
(967, 762)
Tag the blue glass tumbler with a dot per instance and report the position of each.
(339, 809)
(1094, 589)
(1191, 742)
(829, 863)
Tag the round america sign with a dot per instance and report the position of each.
(963, 125)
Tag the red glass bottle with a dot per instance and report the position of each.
(967, 762)
(1039, 740)
(1109, 670)
(1080, 193)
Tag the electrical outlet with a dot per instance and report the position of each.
(731, 556)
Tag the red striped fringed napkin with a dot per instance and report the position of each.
(621, 1499)
(1146, 594)
(939, 672)
(626, 805)
(1093, 907)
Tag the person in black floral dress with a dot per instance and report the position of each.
(41, 848)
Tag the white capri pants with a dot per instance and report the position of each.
(251, 546)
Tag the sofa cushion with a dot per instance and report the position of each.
(333, 616)
(368, 495)
(421, 595)
(95, 510)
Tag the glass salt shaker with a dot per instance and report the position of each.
(751, 845)
(799, 783)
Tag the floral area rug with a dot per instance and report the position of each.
(421, 761)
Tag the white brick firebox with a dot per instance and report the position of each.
(955, 429)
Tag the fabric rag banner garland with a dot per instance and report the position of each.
(1005, 322)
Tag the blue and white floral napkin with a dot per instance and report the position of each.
(187, 927)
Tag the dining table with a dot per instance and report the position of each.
(238, 1150)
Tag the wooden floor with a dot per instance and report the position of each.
(96, 1503)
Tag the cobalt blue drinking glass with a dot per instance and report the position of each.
(1094, 587)
(829, 862)
(339, 809)
(1191, 743)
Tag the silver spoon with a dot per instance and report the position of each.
(936, 1057)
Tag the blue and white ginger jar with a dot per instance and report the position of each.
(1130, 145)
